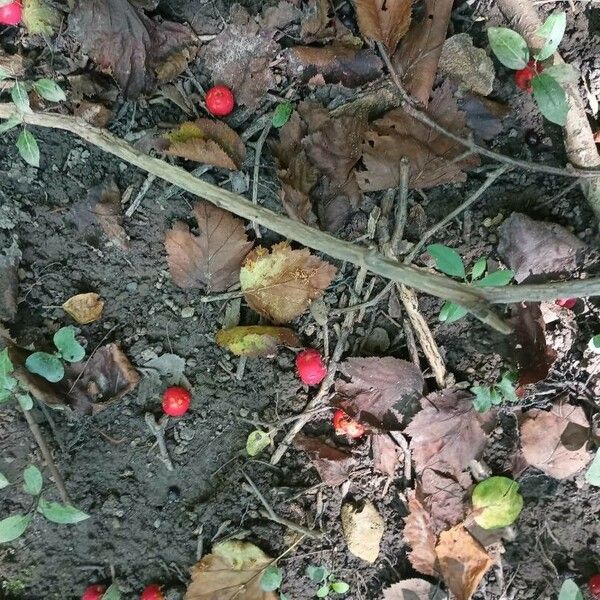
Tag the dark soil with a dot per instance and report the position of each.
(146, 522)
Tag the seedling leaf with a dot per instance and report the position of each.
(46, 365)
(28, 148)
(592, 475)
(496, 502)
(10, 124)
(570, 591)
(271, 578)
(3, 73)
(25, 401)
(551, 98)
(552, 31)
(3, 481)
(70, 349)
(317, 574)
(19, 96)
(507, 388)
(497, 278)
(33, 480)
(340, 587)
(257, 441)
(6, 366)
(323, 591)
(447, 260)
(452, 312)
(64, 514)
(112, 593)
(282, 114)
(509, 47)
(594, 343)
(12, 527)
(49, 90)
(479, 268)
(485, 398)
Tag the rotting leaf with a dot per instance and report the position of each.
(256, 340)
(281, 283)
(211, 259)
(386, 456)
(332, 464)
(363, 527)
(40, 17)
(84, 308)
(384, 21)
(541, 440)
(419, 535)
(9, 281)
(123, 40)
(231, 570)
(414, 589)
(443, 496)
(316, 24)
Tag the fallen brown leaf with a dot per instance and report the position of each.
(84, 308)
(9, 281)
(316, 24)
(94, 113)
(418, 534)
(462, 561)
(281, 283)
(444, 498)
(363, 529)
(545, 445)
(211, 259)
(386, 455)
(122, 39)
(332, 464)
(256, 340)
(414, 589)
(12, 64)
(484, 116)
(385, 21)
(280, 16)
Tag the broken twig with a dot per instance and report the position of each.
(158, 430)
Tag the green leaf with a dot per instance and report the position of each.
(552, 31)
(33, 480)
(551, 98)
(47, 365)
(563, 73)
(570, 591)
(5, 396)
(257, 441)
(282, 114)
(451, 312)
(6, 366)
(592, 475)
(3, 73)
(25, 401)
(479, 268)
(323, 591)
(50, 90)
(509, 47)
(496, 502)
(340, 587)
(10, 123)
(61, 513)
(594, 343)
(317, 574)
(271, 579)
(28, 148)
(112, 593)
(447, 260)
(483, 398)
(40, 17)
(3, 481)
(70, 349)
(497, 278)
(19, 97)
(507, 388)
(12, 527)
(283, 597)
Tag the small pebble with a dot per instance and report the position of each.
(131, 287)
(187, 312)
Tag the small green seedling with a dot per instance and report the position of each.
(594, 344)
(488, 396)
(448, 261)
(50, 366)
(570, 591)
(282, 114)
(47, 89)
(328, 583)
(14, 526)
(257, 441)
(10, 387)
(496, 502)
(271, 580)
(535, 72)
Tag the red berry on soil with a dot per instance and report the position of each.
(219, 101)
(11, 14)
(344, 424)
(566, 302)
(176, 401)
(524, 76)
(152, 592)
(594, 585)
(94, 592)
(310, 366)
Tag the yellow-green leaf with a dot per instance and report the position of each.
(256, 340)
(39, 17)
(257, 441)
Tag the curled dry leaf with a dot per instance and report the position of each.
(231, 571)
(256, 340)
(281, 283)
(9, 281)
(546, 437)
(123, 40)
(384, 21)
(211, 259)
(414, 589)
(419, 535)
(363, 529)
(84, 308)
(332, 464)
(205, 141)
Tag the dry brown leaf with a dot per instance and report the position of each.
(543, 440)
(94, 113)
(332, 464)
(431, 154)
(280, 16)
(462, 561)
(123, 40)
(12, 64)
(447, 433)
(419, 535)
(316, 24)
(363, 529)
(256, 340)
(386, 455)
(205, 141)
(376, 386)
(444, 498)
(385, 21)
(211, 259)
(84, 308)
(231, 571)
(9, 281)
(281, 283)
(414, 589)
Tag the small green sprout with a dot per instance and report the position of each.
(328, 583)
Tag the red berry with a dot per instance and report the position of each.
(94, 592)
(566, 302)
(10, 14)
(594, 585)
(310, 365)
(524, 76)
(176, 401)
(220, 101)
(152, 592)
(346, 425)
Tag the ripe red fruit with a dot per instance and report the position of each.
(11, 14)
(594, 585)
(220, 101)
(344, 424)
(176, 401)
(94, 592)
(152, 592)
(566, 302)
(524, 76)
(310, 365)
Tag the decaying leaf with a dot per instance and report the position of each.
(384, 21)
(444, 499)
(386, 455)
(462, 561)
(280, 16)
(375, 386)
(447, 433)
(432, 155)
(316, 24)
(93, 112)
(256, 340)
(332, 464)
(538, 251)
(281, 283)
(12, 64)
(9, 281)
(419, 535)
(84, 308)
(363, 529)
(123, 40)
(211, 259)
(40, 17)
(414, 589)
(231, 571)
(545, 445)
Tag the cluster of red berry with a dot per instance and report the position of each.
(11, 14)
(95, 592)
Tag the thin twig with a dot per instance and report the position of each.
(367, 304)
(141, 194)
(257, 156)
(401, 207)
(158, 430)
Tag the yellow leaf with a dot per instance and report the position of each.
(84, 308)
(256, 340)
